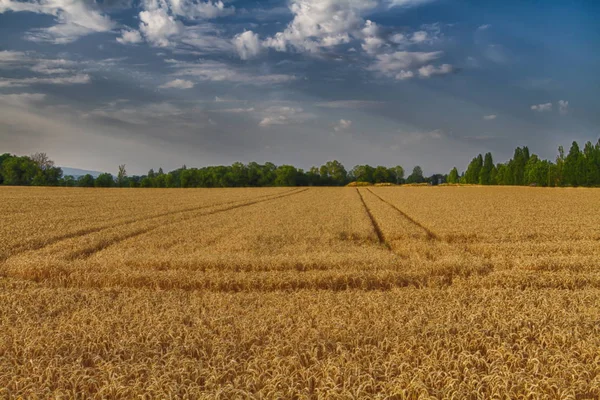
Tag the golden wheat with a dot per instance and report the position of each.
(360, 292)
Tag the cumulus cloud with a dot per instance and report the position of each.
(320, 24)
(343, 125)
(490, 117)
(372, 41)
(563, 107)
(161, 24)
(158, 26)
(419, 37)
(403, 75)
(542, 107)
(199, 9)
(403, 65)
(129, 36)
(73, 19)
(247, 45)
(178, 84)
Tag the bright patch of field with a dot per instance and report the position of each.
(407, 292)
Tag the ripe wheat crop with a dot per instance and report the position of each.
(307, 293)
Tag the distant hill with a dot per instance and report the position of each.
(76, 172)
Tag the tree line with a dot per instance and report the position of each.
(577, 168)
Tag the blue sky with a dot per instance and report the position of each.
(153, 83)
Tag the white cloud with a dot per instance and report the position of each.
(428, 71)
(73, 18)
(398, 38)
(354, 104)
(192, 9)
(343, 125)
(484, 27)
(400, 64)
(11, 58)
(161, 25)
(419, 37)
(235, 110)
(321, 23)
(247, 45)
(542, 107)
(403, 75)
(130, 37)
(178, 84)
(372, 41)
(407, 3)
(220, 72)
(276, 120)
(563, 107)
(158, 26)
(394, 62)
(490, 117)
(53, 67)
(284, 115)
(66, 80)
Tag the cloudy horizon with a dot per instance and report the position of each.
(162, 83)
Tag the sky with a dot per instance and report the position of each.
(163, 83)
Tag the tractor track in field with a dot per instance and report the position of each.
(430, 234)
(376, 227)
(41, 244)
(103, 244)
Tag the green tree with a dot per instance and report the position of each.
(591, 163)
(86, 180)
(146, 182)
(334, 173)
(416, 176)
(398, 174)
(473, 170)
(68, 181)
(536, 171)
(19, 171)
(486, 171)
(453, 176)
(104, 180)
(381, 175)
(574, 169)
(122, 176)
(363, 173)
(286, 175)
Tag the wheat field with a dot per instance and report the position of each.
(300, 293)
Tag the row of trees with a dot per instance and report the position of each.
(577, 168)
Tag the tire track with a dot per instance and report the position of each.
(376, 227)
(430, 234)
(43, 243)
(103, 244)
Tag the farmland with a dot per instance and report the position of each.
(369, 292)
